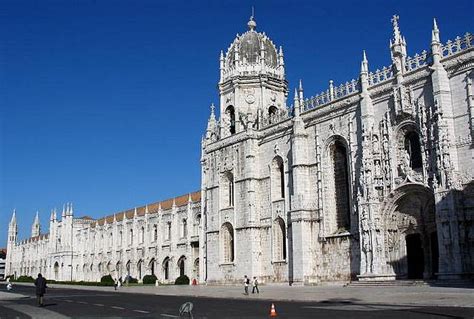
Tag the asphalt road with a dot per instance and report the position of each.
(61, 302)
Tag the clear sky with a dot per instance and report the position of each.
(103, 103)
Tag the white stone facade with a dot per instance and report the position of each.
(371, 180)
(161, 239)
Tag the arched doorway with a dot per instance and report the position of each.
(56, 271)
(181, 265)
(166, 268)
(411, 241)
(151, 267)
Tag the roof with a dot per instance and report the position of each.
(152, 208)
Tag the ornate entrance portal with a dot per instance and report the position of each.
(411, 243)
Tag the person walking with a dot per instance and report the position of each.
(255, 285)
(246, 285)
(40, 284)
(9, 284)
(115, 283)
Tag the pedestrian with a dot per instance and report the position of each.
(40, 284)
(255, 285)
(9, 284)
(115, 283)
(246, 285)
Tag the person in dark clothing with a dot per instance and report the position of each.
(40, 284)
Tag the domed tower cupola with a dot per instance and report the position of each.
(252, 80)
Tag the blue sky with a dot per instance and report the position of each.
(103, 103)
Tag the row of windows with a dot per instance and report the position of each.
(338, 181)
(154, 234)
(227, 240)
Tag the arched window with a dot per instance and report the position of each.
(120, 238)
(139, 268)
(181, 263)
(142, 235)
(155, 233)
(56, 270)
(111, 239)
(227, 243)
(99, 267)
(413, 149)
(197, 223)
(131, 237)
(228, 189)
(166, 268)
(278, 178)
(184, 228)
(340, 185)
(230, 113)
(152, 267)
(272, 113)
(279, 240)
(168, 231)
(127, 267)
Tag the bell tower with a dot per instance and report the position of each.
(252, 85)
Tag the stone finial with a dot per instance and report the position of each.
(252, 24)
(63, 213)
(396, 29)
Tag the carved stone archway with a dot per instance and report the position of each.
(410, 237)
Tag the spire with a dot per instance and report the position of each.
(364, 72)
(53, 215)
(281, 61)
(398, 50)
(364, 66)
(211, 123)
(296, 103)
(63, 214)
(435, 44)
(300, 93)
(435, 32)
(35, 228)
(13, 220)
(71, 211)
(396, 30)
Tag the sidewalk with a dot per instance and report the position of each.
(402, 296)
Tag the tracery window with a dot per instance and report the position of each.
(184, 228)
(339, 196)
(142, 235)
(278, 178)
(227, 243)
(230, 113)
(272, 113)
(279, 240)
(168, 231)
(413, 149)
(166, 268)
(155, 233)
(228, 189)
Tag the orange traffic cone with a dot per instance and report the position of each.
(273, 312)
